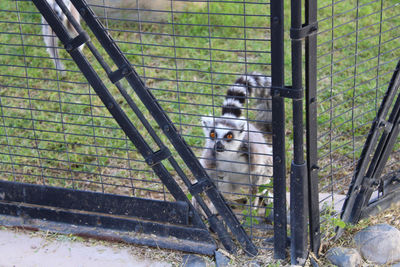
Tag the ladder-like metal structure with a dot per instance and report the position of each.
(375, 154)
(190, 226)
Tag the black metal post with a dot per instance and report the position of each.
(278, 130)
(298, 181)
(311, 126)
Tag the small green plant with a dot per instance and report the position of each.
(250, 217)
(330, 221)
(276, 264)
(266, 190)
(339, 223)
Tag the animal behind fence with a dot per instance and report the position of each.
(49, 36)
(236, 154)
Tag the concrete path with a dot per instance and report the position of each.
(24, 249)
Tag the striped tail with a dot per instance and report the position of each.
(254, 85)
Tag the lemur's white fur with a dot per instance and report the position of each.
(236, 154)
(51, 40)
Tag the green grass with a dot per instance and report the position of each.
(348, 105)
(79, 141)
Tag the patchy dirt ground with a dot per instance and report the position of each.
(23, 248)
(26, 248)
(20, 247)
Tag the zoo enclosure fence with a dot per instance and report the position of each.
(357, 66)
(188, 58)
(126, 172)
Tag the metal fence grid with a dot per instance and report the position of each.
(54, 129)
(357, 54)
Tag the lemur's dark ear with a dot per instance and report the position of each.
(207, 122)
(242, 125)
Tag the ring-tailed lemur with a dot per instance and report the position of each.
(236, 153)
(51, 40)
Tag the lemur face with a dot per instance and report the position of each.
(225, 134)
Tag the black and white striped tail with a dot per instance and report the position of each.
(255, 85)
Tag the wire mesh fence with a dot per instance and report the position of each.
(208, 65)
(357, 55)
(55, 130)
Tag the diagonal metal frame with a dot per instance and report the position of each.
(367, 177)
(391, 194)
(153, 158)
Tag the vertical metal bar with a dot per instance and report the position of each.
(278, 126)
(298, 172)
(311, 127)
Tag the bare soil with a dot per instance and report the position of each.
(23, 248)
(20, 247)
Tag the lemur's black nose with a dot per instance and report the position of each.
(219, 147)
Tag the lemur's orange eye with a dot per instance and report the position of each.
(229, 136)
(212, 134)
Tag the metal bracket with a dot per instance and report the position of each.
(200, 187)
(367, 182)
(158, 156)
(119, 74)
(288, 92)
(79, 40)
(386, 125)
(304, 31)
